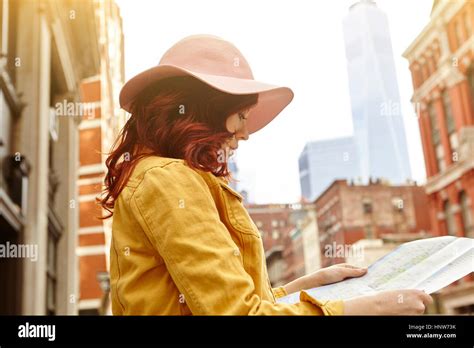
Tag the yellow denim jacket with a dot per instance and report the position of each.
(184, 244)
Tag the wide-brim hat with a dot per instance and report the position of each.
(219, 64)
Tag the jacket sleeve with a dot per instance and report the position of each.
(176, 210)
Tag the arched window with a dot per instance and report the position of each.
(449, 119)
(470, 78)
(449, 218)
(435, 138)
(466, 214)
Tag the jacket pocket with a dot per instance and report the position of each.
(236, 213)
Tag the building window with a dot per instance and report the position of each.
(367, 206)
(275, 234)
(448, 113)
(470, 79)
(466, 215)
(397, 204)
(259, 224)
(454, 142)
(468, 24)
(274, 223)
(440, 157)
(433, 124)
(449, 218)
(51, 273)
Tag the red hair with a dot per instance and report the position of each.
(178, 117)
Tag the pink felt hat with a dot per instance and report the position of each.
(219, 64)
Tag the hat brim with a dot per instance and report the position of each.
(271, 101)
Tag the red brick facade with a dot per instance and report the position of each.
(441, 62)
(442, 66)
(91, 239)
(347, 213)
(283, 246)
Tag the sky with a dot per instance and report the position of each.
(298, 44)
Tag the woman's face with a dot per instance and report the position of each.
(237, 124)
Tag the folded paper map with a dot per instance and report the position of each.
(426, 264)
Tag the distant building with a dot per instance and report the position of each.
(290, 239)
(274, 222)
(302, 250)
(293, 254)
(322, 162)
(442, 65)
(347, 213)
(310, 239)
(441, 60)
(375, 101)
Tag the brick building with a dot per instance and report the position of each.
(97, 132)
(347, 212)
(441, 61)
(287, 230)
(293, 254)
(274, 223)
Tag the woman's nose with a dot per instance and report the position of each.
(243, 134)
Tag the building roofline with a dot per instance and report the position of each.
(436, 12)
(375, 182)
(334, 183)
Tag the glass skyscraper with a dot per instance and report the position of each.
(376, 111)
(322, 162)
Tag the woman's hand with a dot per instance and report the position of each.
(324, 276)
(392, 302)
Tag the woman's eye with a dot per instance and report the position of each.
(241, 116)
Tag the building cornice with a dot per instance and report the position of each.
(440, 16)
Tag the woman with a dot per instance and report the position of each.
(182, 241)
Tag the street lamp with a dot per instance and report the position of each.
(104, 283)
